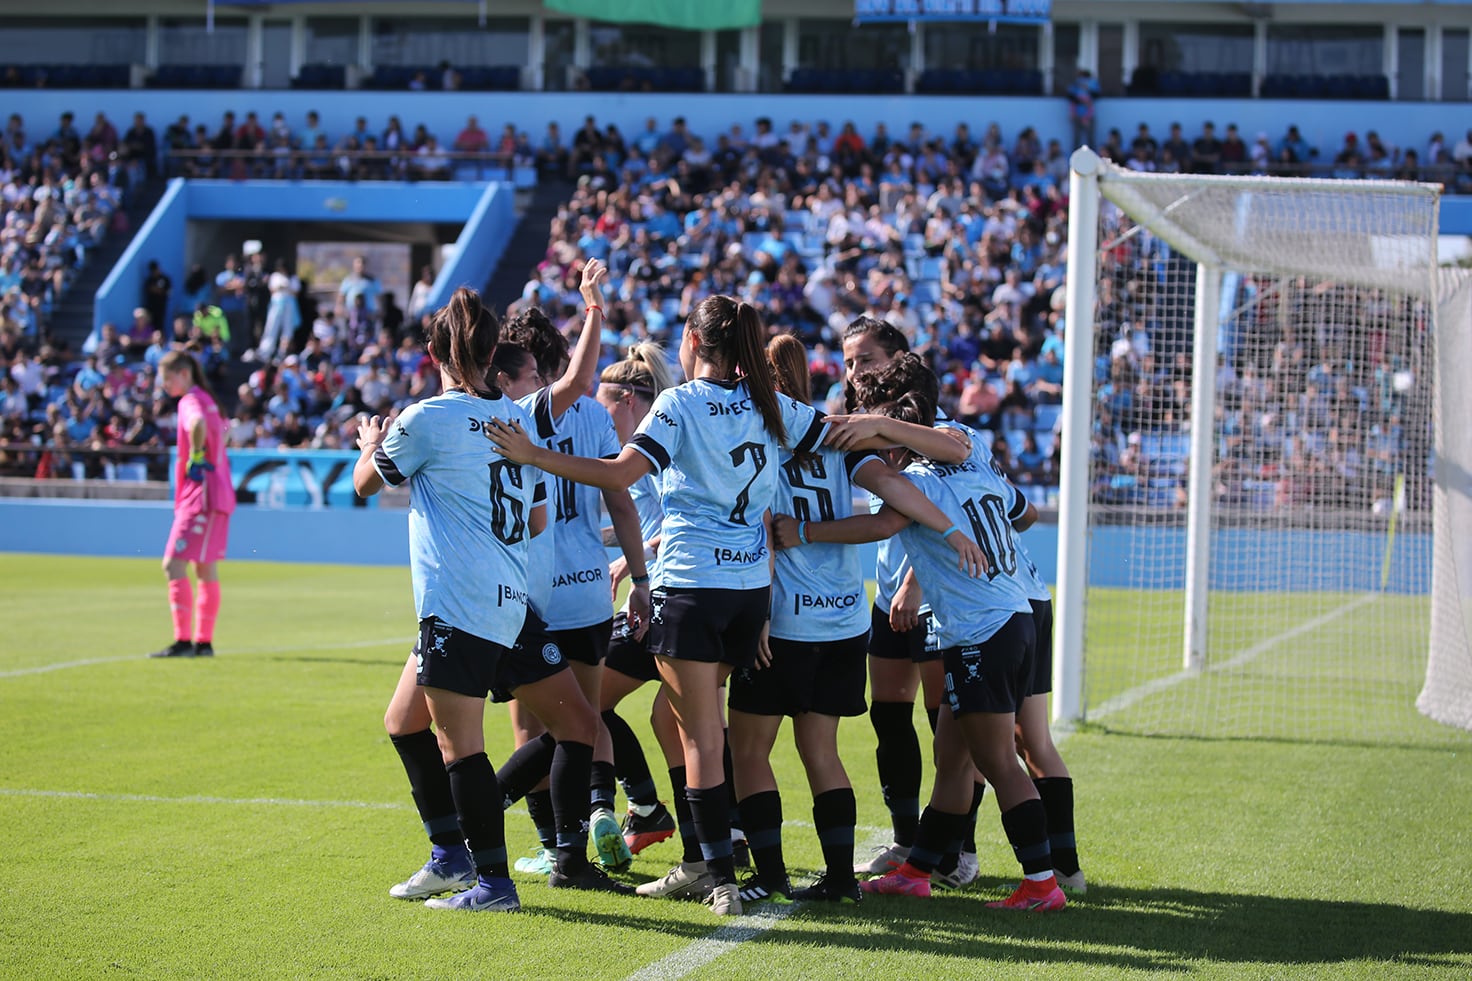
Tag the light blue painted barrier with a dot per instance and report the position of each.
(1346, 561)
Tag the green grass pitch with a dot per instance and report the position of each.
(243, 818)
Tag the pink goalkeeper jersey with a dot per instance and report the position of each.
(217, 492)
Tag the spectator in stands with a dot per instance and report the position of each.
(1347, 161)
(1206, 151)
(156, 289)
(472, 139)
(1082, 94)
(430, 162)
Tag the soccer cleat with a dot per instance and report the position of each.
(179, 648)
(725, 900)
(831, 889)
(966, 870)
(754, 889)
(204, 649)
(903, 881)
(540, 862)
(607, 837)
(641, 830)
(886, 859)
(1033, 895)
(487, 896)
(1071, 881)
(435, 877)
(688, 880)
(588, 877)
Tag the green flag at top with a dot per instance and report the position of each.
(690, 15)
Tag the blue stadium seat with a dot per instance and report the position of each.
(1045, 415)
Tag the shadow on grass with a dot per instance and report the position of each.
(1161, 929)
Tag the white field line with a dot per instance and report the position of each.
(698, 953)
(1126, 699)
(85, 662)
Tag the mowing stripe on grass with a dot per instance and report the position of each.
(699, 953)
(1126, 699)
(85, 662)
(197, 799)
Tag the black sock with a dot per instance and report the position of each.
(709, 809)
(1057, 795)
(601, 785)
(629, 762)
(544, 818)
(525, 768)
(934, 716)
(761, 819)
(898, 757)
(835, 813)
(571, 763)
(1027, 831)
(977, 793)
(937, 830)
(428, 783)
(689, 839)
(478, 804)
(735, 816)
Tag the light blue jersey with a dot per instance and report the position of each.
(581, 595)
(719, 466)
(468, 513)
(976, 498)
(645, 493)
(818, 590)
(542, 557)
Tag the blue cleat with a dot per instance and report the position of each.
(486, 896)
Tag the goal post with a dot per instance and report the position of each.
(1245, 529)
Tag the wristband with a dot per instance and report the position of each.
(947, 532)
(639, 580)
(594, 306)
(802, 533)
(196, 458)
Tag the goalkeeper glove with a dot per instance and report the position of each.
(198, 467)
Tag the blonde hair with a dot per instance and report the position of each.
(644, 371)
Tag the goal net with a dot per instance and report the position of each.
(1261, 377)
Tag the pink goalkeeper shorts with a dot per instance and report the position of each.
(199, 537)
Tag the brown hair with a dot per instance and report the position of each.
(462, 338)
(789, 360)
(909, 407)
(175, 360)
(906, 373)
(728, 332)
(645, 371)
(532, 330)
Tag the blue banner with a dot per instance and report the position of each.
(996, 11)
(295, 478)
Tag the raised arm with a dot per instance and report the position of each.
(583, 364)
(618, 474)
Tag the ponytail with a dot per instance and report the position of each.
(175, 360)
(789, 360)
(645, 371)
(751, 358)
(462, 338)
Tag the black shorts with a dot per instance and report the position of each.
(994, 675)
(826, 677)
(629, 656)
(708, 625)
(586, 645)
(449, 658)
(916, 644)
(1042, 659)
(535, 657)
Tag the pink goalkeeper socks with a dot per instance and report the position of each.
(181, 608)
(208, 602)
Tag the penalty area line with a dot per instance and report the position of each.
(87, 662)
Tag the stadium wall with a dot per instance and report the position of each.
(1342, 561)
(486, 211)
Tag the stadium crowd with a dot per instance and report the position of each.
(958, 239)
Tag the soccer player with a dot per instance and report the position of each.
(470, 516)
(579, 607)
(985, 630)
(627, 389)
(713, 439)
(812, 668)
(204, 499)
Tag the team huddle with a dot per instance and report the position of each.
(730, 500)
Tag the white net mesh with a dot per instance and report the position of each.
(1320, 538)
(1447, 696)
